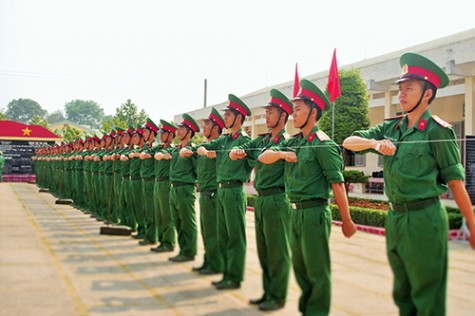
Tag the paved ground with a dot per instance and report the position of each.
(54, 262)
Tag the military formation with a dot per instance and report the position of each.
(147, 178)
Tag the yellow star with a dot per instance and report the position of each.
(26, 131)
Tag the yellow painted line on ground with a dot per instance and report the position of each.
(119, 263)
(78, 303)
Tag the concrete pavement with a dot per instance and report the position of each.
(54, 262)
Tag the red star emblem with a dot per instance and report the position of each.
(422, 124)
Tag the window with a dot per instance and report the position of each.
(354, 160)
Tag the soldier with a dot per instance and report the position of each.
(2, 164)
(127, 216)
(136, 182)
(421, 158)
(182, 192)
(272, 208)
(313, 169)
(147, 172)
(161, 191)
(231, 195)
(208, 186)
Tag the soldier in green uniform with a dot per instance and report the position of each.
(161, 191)
(95, 176)
(313, 169)
(421, 158)
(208, 186)
(182, 192)
(127, 216)
(136, 182)
(2, 164)
(147, 172)
(272, 208)
(231, 210)
(116, 171)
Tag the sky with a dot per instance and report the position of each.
(159, 52)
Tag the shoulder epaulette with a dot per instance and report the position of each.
(243, 133)
(394, 118)
(441, 122)
(321, 135)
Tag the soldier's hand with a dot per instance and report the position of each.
(236, 154)
(348, 228)
(167, 156)
(385, 147)
(80, 158)
(186, 152)
(288, 156)
(97, 159)
(157, 156)
(211, 154)
(124, 158)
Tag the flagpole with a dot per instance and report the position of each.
(333, 120)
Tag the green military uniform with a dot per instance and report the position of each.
(2, 164)
(272, 212)
(147, 172)
(127, 216)
(426, 158)
(161, 196)
(117, 182)
(232, 198)
(208, 186)
(182, 196)
(308, 185)
(136, 191)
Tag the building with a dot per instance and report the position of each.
(18, 142)
(455, 103)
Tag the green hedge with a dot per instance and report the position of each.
(376, 218)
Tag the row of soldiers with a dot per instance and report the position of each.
(130, 180)
(151, 189)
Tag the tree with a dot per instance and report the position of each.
(129, 112)
(71, 134)
(353, 176)
(23, 110)
(351, 108)
(55, 117)
(3, 116)
(38, 120)
(112, 123)
(84, 112)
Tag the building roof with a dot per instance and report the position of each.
(10, 130)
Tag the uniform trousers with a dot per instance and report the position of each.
(212, 257)
(182, 205)
(272, 224)
(309, 238)
(150, 219)
(417, 245)
(232, 231)
(166, 226)
(137, 205)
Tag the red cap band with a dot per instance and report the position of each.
(237, 107)
(313, 97)
(424, 73)
(190, 125)
(217, 120)
(280, 103)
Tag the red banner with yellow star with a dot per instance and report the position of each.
(10, 130)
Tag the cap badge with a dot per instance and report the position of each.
(404, 70)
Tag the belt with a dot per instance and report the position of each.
(229, 184)
(134, 178)
(162, 179)
(271, 191)
(177, 184)
(308, 204)
(412, 206)
(148, 179)
(208, 192)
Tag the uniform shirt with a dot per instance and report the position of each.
(124, 165)
(267, 175)
(95, 166)
(426, 158)
(227, 169)
(206, 173)
(162, 167)
(135, 163)
(147, 168)
(108, 165)
(319, 164)
(182, 169)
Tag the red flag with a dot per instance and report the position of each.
(296, 81)
(333, 80)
